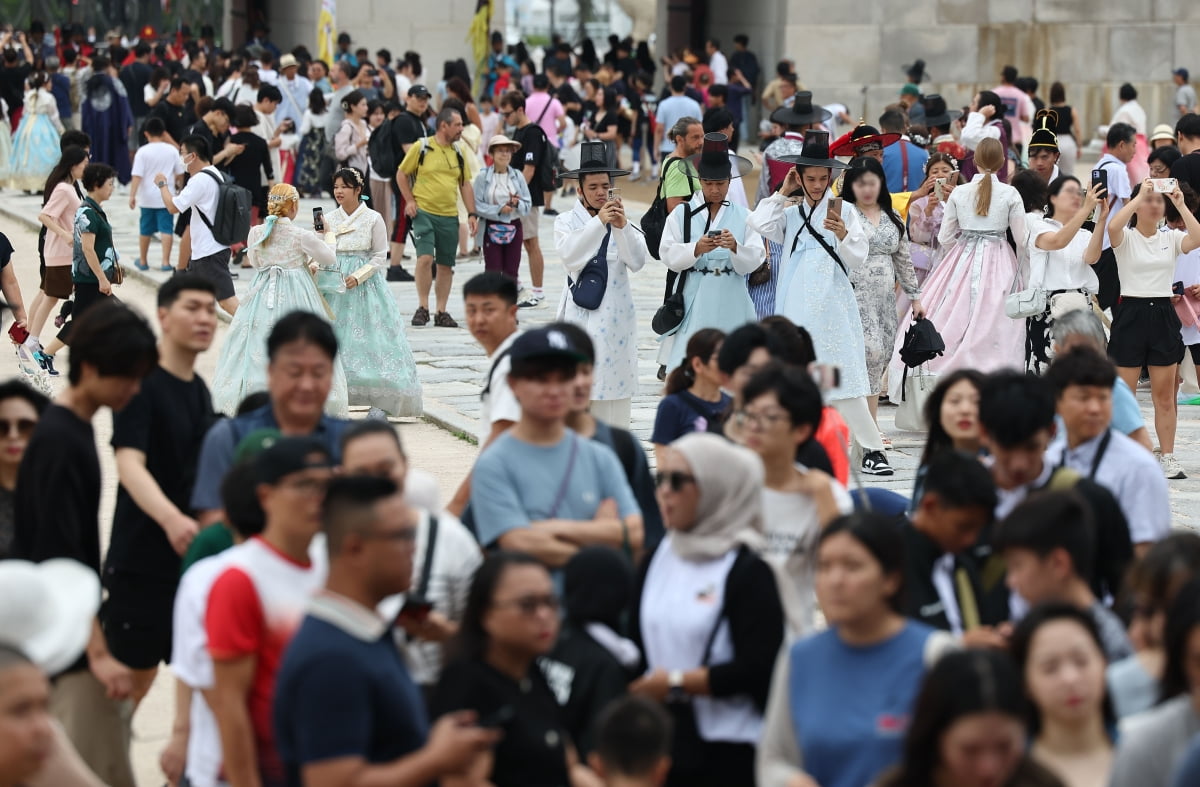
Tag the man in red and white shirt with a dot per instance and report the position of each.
(258, 602)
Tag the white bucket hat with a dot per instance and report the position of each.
(48, 609)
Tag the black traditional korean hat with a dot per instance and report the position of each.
(1043, 137)
(802, 112)
(714, 161)
(815, 152)
(936, 113)
(593, 159)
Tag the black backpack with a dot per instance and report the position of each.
(230, 223)
(546, 176)
(655, 219)
(382, 151)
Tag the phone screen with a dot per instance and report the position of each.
(319, 219)
(835, 206)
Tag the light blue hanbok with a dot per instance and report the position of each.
(380, 368)
(280, 252)
(35, 148)
(715, 294)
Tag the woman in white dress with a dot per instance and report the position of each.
(281, 252)
(595, 222)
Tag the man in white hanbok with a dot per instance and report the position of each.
(598, 221)
(820, 248)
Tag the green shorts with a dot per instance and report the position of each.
(436, 236)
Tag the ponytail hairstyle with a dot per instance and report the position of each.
(703, 345)
(989, 158)
(72, 156)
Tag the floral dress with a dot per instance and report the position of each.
(281, 285)
(613, 326)
(380, 369)
(888, 261)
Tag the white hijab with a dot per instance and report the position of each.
(729, 514)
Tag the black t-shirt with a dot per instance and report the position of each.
(1187, 170)
(585, 677)
(58, 499)
(533, 144)
(6, 251)
(177, 119)
(12, 85)
(247, 167)
(407, 129)
(567, 95)
(215, 144)
(167, 422)
(135, 77)
(532, 752)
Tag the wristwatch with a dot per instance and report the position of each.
(675, 690)
(160, 183)
(473, 215)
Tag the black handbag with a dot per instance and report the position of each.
(670, 314)
(588, 290)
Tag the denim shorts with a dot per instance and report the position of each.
(156, 221)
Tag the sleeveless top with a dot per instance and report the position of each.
(1063, 127)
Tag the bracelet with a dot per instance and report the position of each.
(472, 215)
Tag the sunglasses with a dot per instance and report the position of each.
(530, 605)
(24, 427)
(676, 480)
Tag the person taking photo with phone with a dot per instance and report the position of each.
(821, 246)
(706, 240)
(1145, 328)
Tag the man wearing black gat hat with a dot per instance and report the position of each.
(707, 240)
(599, 247)
(820, 246)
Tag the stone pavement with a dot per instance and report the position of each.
(451, 364)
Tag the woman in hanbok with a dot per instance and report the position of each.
(716, 253)
(964, 296)
(372, 346)
(888, 263)
(820, 250)
(282, 253)
(599, 222)
(35, 148)
(5, 143)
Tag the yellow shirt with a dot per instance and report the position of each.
(436, 186)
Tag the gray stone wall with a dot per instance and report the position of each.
(1092, 46)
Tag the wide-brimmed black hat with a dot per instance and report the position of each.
(714, 161)
(1043, 137)
(815, 152)
(593, 159)
(863, 139)
(915, 71)
(936, 113)
(802, 112)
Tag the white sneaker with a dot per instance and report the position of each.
(530, 301)
(1171, 467)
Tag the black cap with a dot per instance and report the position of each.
(544, 343)
(289, 455)
(419, 91)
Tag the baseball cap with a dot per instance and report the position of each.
(910, 90)
(1181, 73)
(255, 443)
(289, 455)
(544, 343)
(418, 91)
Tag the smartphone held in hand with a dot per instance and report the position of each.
(1165, 185)
(319, 219)
(835, 206)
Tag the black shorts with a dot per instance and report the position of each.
(1195, 351)
(1145, 332)
(215, 268)
(137, 618)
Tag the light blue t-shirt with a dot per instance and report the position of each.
(670, 111)
(515, 483)
(1126, 415)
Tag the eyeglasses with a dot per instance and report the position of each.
(676, 480)
(745, 418)
(530, 605)
(24, 427)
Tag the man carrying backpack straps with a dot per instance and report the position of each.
(533, 142)
(209, 258)
(431, 176)
(405, 130)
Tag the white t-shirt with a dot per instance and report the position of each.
(790, 534)
(1063, 269)
(456, 557)
(151, 159)
(499, 403)
(191, 664)
(201, 193)
(1147, 265)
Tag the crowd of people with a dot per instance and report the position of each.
(735, 608)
